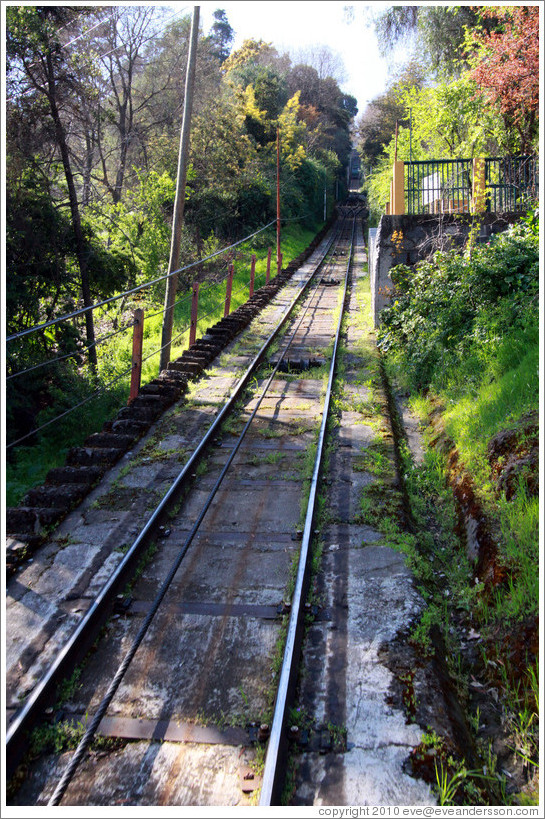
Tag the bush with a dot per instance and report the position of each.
(461, 315)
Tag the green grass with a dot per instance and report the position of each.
(469, 389)
(493, 406)
(27, 466)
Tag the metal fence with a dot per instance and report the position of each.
(438, 186)
(446, 185)
(511, 183)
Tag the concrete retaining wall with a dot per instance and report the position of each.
(408, 239)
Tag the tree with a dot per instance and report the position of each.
(33, 48)
(221, 35)
(325, 61)
(505, 64)
(377, 123)
(438, 32)
(122, 59)
(254, 52)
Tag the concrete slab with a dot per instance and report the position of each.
(170, 774)
(252, 570)
(182, 670)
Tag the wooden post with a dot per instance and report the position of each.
(268, 276)
(398, 188)
(228, 288)
(252, 275)
(325, 196)
(478, 192)
(137, 340)
(194, 313)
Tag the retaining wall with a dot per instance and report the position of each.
(407, 239)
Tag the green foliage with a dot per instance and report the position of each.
(221, 35)
(61, 386)
(39, 245)
(120, 123)
(467, 329)
(477, 94)
(458, 317)
(448, 120)
(378, 121)
(464, 331)
(137, 230)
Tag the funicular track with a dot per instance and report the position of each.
(193, 640)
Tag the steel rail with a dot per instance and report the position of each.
(84, 634)
(276, 749)
(100, 712)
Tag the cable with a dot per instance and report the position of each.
(84, 33)
(159, 349)
(96, 394)
(176, 303)
(129, 655)
(69, 355)
(162, 28)
(134, 290)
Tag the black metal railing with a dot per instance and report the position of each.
(438, 186)
(446, 185)
(511, 183)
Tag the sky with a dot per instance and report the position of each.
(292, 25)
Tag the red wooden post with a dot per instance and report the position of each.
(279, 270)
(194, 312)
(137, 340)
(228, 289)
(252, 275)
(268, 266)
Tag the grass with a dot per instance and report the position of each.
(28, 466)
(494, 389)
(476, 417)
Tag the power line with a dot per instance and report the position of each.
(106, 54)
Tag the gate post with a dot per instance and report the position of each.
(398, 188)
(137, 340)
(478, 187)
(268, 276)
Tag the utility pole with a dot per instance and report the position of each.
(173, 264)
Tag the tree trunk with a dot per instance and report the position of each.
(74, 210)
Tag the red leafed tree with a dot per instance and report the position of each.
(505, 64)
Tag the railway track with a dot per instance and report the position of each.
(190, 683)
